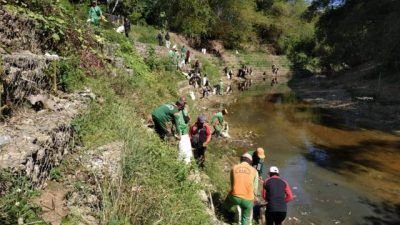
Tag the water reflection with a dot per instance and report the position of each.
(332, 166)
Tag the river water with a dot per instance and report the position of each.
(339, 174)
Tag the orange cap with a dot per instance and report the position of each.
(260, 153)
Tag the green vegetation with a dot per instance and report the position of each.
(153, 186)
(145, 34)
(235, 22)
(350, 34)
(15, 206)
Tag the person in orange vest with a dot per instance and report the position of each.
(244, 185)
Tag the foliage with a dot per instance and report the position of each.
(145, 34)
(15, 204)
(233, 21)
(351, 33)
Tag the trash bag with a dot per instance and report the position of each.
(120, 29)
(185, 149)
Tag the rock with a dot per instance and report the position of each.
(40, 140)
(4, 140)
(105, 160)
(203, 196)
(24, 35)
(24, 75)
(119, 62)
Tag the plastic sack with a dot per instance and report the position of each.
(185, 148)
(120, 29)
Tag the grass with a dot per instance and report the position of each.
(145, 34)
(16, 205)
(210, 68)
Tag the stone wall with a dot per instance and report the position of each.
(24, 75)
(18, 32)
(32, 143)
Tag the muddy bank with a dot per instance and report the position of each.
(364, 103)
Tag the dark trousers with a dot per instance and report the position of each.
(200, 155)
(160, 128)
(275, 218)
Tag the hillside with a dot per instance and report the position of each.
(75, 146)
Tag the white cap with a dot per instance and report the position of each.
(273, 169)
(247, 155)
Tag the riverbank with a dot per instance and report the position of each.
(366, 100)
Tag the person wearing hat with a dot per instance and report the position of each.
(200, 136)
(244, 185)
(166, 113)
(217, 122)
(95, 13)
(258, 161)
(277, 193)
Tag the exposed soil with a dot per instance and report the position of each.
(53, 203)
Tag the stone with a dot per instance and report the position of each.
(4, 140)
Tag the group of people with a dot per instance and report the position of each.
(172, 120)
(245, 178)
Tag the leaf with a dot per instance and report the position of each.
(56, 37)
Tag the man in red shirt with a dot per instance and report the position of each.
(200, 136)
(277, 193)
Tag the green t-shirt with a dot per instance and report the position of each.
(183, 126)
(217, 116)
(94, 14)
(166, 113)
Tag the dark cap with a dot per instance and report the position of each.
(182, 99)
(201, 119)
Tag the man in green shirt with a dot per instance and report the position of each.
(217, 122)
(165, 113)
(95, 13)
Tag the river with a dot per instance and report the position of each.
(339, 174)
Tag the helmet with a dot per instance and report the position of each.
(273, 169)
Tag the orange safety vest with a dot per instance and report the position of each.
(242, 181)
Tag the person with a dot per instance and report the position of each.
(187, 57)
(200, 136)
(95, 13)
(197, 66)
(258, 161)
(127, 26)
(195, 80)
(264, 76)
(244, 188)
(230, 74)
(165, 113)
(160, 39)
(205, 80)
(205, 90)
(221, 87)
(226, 70)
(217, 122)
(277, 193)
(167, 40)
(229, 88)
